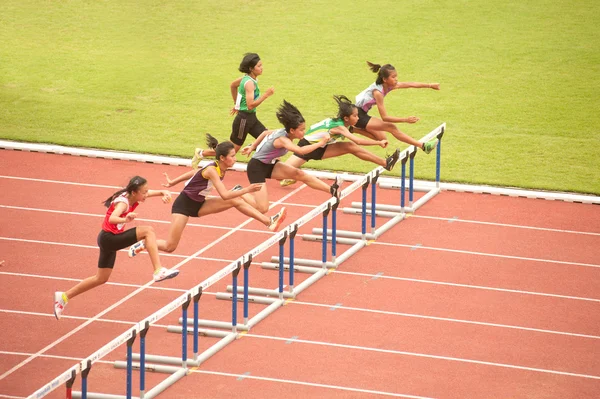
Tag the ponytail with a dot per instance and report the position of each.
(345, 106)
(134, 185)
(289, 116)
(382, 71)
(221, 149)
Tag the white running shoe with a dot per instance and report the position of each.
(277, 219)
(237, 187)
(136, 248)
(59, 304)
(165, 274)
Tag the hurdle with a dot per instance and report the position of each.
(273, 304)
(409, 157)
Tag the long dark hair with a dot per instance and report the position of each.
(134, 185)
(345, 106)
(248, 62)
(382, 71)
(289, 116)
(221, 149)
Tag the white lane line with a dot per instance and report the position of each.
(446, 319)
(95, 247)
(428, 356)
(470, 286)
(460, 251)
(97, 215)
(515, 226)
(118, 303)
(453, 219)
(306, 383)
(373, 277)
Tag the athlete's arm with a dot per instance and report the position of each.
(284, 142)
(250, 101)
(186, 176)
(120, 207)
(417, 85)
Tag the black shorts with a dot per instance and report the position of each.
(317, 154)
(110, 243)
(363, 119)
(258, 172)
(244, 123)
(186, 206)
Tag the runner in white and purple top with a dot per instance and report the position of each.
(271, 145)
(266, 152)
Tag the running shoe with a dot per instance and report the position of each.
(237, 187)
(164, 274)
(59, 304)
(430, 145)
(287, 182)
(334, 189)
(136, 248)
(197, 158)
(390, 161)
(277, 219)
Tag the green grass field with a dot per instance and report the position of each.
(520, 80)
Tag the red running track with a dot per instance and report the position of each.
(476, 296)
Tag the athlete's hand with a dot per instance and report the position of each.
(434, 86)
(254, 187)
(270, 91)
(324, 140)
(130, 217)
(166, 198)
(233, 111)
(247, 150)
(411, 119)
(169, 182)
(383, 143)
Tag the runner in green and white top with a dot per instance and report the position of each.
(338, 129)
(246, 97)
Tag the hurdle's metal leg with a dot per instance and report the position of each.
(246, 286)
(347, 241)
(301, 269)
(234, 299)
(214, 324)
(130, 342)
(260, 291)
(155, 368)
(354, 211)
(228, 296)
(142, 359)
(304, 262)
(345, 234)
(201, 333)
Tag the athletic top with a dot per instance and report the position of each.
(266, 151)
(240, 101)
(365, 99)
(198, 187)
(318, 130)
(117, 228)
